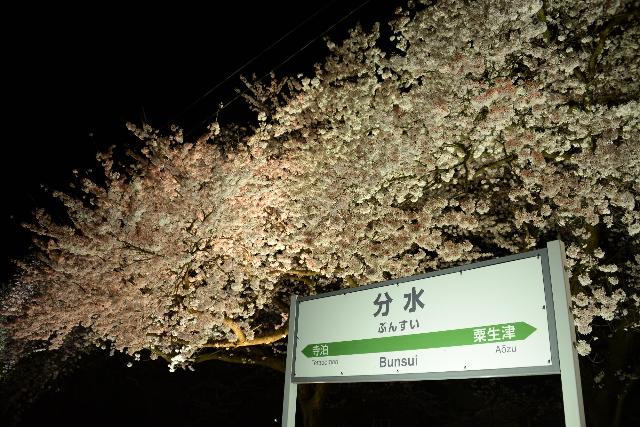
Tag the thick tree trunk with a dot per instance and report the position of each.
(609, 400)
(312, 397)
(619, 411)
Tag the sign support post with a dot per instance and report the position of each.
(290, 388)
(568, 355)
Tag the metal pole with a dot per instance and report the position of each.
(290, 388)
(569, 365)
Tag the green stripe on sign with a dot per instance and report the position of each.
(503, 332)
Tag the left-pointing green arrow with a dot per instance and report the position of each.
(450, 338)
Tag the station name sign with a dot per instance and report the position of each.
(493, 318)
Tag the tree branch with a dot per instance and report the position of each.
(274, 363)
(236, 330)
(602, 38)
(274, 336)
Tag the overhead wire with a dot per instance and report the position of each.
(240, 94)
(250, 61)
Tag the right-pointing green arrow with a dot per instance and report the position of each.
(491, 334)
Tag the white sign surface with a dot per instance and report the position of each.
(484, 318)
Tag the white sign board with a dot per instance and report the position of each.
(463, 322)
(503, 317)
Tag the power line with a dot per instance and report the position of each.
(223, 106)
(250, 61)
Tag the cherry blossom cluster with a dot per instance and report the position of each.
(473, 132)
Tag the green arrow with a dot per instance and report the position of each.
(489, 334)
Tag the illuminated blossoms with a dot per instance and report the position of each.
(482, 131)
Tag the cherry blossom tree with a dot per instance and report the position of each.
(458, 132)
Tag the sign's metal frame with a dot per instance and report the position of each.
(564, 358)
(553, 368)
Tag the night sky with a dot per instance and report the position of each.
(72, 79)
